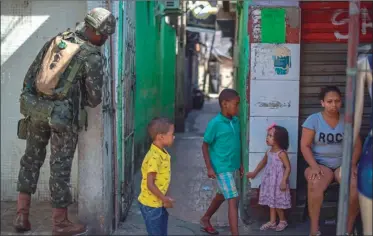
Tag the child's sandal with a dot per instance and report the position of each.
(281, 226)
(268, 225)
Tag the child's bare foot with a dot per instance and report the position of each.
(206, 226)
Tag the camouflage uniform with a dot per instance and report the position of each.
(63, 124)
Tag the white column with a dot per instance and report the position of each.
(274, 97)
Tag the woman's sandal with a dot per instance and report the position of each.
(317, 234)
(281, 226)
(268, 225)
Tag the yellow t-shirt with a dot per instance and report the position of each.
(158, 161)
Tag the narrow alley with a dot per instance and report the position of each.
(191, 188)
(172, 59)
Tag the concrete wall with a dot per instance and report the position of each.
(273, 98)
(273, 95)
(96, 154)
(25, 27)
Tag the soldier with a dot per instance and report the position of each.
(66, 76)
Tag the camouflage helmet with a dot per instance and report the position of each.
(101, 20)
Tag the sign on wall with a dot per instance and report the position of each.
(274, 24)
(327, 22)
(275, 61)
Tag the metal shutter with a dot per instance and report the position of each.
(321, 65)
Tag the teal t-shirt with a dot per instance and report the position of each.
(223, 137)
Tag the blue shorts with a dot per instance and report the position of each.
(365, 169)
(227, 185)
(156, 219)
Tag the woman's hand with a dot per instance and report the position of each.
(353, 171)
(315, 172)
(283, 185)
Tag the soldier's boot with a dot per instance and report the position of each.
(21, 223)
(62, 225)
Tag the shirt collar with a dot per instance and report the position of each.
(226, 119)
(163, 153)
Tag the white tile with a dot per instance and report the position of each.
(274, 98)
(264, 56)
(258, 132)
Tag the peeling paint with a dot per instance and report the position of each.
(292, 17)
(256, 23)
(292, 24)
(274, 104)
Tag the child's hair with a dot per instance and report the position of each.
(328, 89)
(227, 95)
(159, 125)
(281, 137)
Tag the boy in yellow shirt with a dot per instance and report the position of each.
(156, 176)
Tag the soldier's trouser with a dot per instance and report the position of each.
(63, 144)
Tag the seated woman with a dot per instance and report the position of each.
(322, 148)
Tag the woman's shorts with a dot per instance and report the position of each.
(365, 172)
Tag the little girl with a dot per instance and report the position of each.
(274, 189)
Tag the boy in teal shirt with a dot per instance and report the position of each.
(222, 153)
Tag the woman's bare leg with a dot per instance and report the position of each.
(353, 209)
(366, 214)
(316, 189)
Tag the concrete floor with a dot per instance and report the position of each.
(40, 218)
(190, 187)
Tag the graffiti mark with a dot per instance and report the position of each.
(340, 17)
(274, 104)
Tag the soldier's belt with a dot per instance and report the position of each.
(38, 108)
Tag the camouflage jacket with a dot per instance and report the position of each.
(90, 74)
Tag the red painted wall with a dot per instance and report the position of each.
(327, 22)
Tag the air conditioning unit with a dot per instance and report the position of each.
(172, 7)
(172, 4)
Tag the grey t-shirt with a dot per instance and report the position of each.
(327, 146)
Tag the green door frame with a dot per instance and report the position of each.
(241, 62)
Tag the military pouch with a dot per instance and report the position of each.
(62, 115)
(22, 128)
(83, 119)
(37, 108)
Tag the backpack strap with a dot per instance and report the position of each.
(69, 81)
(85, 50)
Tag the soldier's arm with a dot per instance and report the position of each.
(33, 69)
(94, 79)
